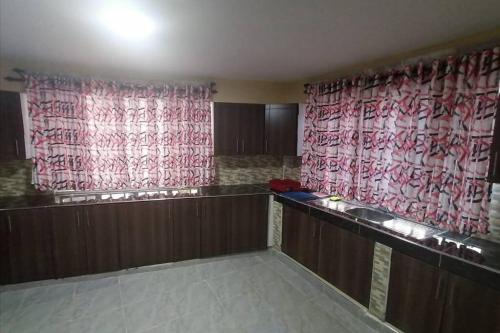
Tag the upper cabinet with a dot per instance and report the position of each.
(254, 129)
(281, 129)
(239, 128)
(11, 127)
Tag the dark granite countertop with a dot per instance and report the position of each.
(45, 200)
(473, 258)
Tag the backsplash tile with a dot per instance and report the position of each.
(277, 213)
(15, 178)
(380, 280)
(494, 228)
(291, 167)
(233, 170)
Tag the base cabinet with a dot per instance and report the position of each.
(300, 237)
(415, 297)
(248, 223)
(424, 298)
(346, 260)
(216, 213)
(186, 219)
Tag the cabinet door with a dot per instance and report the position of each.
(69, 228)
(281, 129)
(145, 233)
(470, 307)
(186, 217)
(215, 214)
(4, 249)
(300, 237)
(252, 124)
(345, 260)
(226, 129)
(248, 225)
(102, 238)
(11, 127)
(416, 295)
(30, 249)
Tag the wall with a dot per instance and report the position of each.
(241, 91)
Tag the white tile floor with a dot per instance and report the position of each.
(257, 292)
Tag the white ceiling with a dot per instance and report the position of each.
(243, 39)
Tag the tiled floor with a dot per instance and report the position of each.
(258, 292)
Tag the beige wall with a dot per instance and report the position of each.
(251, 91)
(242, 91)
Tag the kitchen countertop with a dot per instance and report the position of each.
(45, 200)
(463, 260)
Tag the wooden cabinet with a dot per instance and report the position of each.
(101, 238)
(216, 216)
(281, 129)
(251, 129)
(424, 298)
(345, 260)
(5, 275)
(186, 220)
(470, 307)
(239, 128)
(416, 295)
(11, 127)
(249, 223)
(68, 239)
(145, 233)
(300, 237)
(30, 245)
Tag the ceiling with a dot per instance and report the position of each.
(247, 39)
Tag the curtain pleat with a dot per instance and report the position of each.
(415, 140)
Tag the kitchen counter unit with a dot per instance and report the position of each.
(102, 197)
(473, 258)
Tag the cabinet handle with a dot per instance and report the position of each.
(10, 223)
(237, 145)
(452, 295)
(77, 219)
(17, 148)
(439, 287)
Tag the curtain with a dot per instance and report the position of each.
(415, 140)
(99, 135)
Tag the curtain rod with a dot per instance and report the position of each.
(423, 57)
(22, 74)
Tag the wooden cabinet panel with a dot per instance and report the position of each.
(30, 245)
(186, 219)
(216, 214)
(69, 228)
(101, 238)
(346, 260)
(248, 225)
(469, 307)
(300, 237)
(281, 129)
(239, 128)
(145, 233)
(226, 129)
(4, 249)
(416, 295)
(11, 127)
(252, 128)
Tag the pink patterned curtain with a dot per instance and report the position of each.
(416, 141)
(97, 135)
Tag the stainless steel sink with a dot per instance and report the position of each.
(369, 214)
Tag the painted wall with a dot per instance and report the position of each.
(240, 91)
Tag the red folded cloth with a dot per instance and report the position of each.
(284, 185)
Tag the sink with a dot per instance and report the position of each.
(369, 214)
